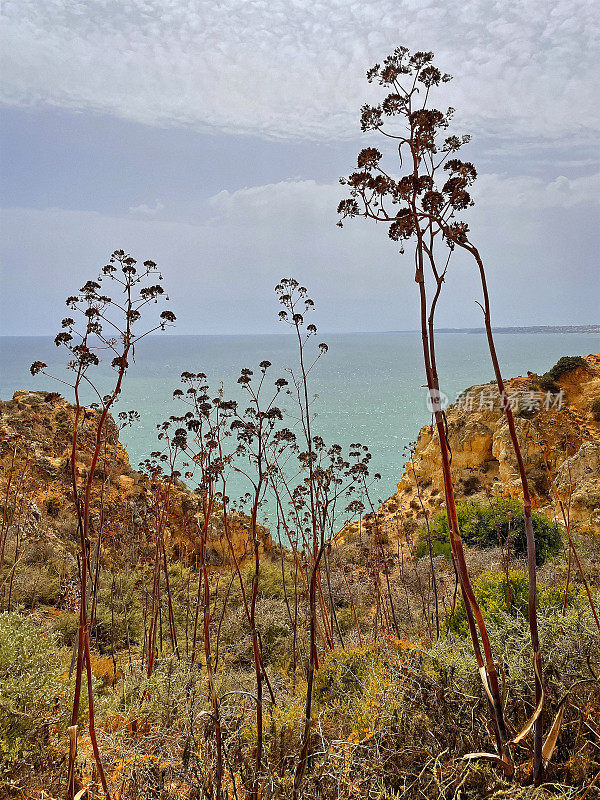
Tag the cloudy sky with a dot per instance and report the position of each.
(209, 136)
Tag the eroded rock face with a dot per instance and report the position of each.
(559, 439)
(578, 476)
(40, 425)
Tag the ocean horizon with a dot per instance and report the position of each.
(368, 387)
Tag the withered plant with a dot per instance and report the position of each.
(256, 430)
(103, 326)
(16, 495)
(312, 488)
(420, 205)
(161, 471)
(200, 436)
(323, 478)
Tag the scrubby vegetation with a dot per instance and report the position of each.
(506, 593)
(565, 364)
(500, 523)
(390, 715)
(33, 692)
(201, 647)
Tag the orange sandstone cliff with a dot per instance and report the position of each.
(559, 434)
(35, 451)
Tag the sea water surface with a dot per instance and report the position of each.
(367, 388)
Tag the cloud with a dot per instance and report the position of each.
(146, 210)
(311, 202)
(297, 202)
(222, 257)
(293, 69)
(535, 193)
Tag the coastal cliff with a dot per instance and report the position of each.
(559, 434)
(35, 448)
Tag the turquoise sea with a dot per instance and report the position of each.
(368, 387)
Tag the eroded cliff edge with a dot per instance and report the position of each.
(559, 434)
(36, 429)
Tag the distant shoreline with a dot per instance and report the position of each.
(529, 329)
(587, 329)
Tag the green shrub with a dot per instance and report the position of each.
(270, 580)
(346, 676)
(275, 632)
(165, 697)
(546, 383)
(495, 601)
(65, 627)
(440, 538)
(345, 617)
(118, 611)
(489, 526)
(35, 585)
(31, 694)
(565, 364)
(385, 715)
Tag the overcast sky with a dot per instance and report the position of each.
(209, 136)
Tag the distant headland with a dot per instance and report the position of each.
(530, 329)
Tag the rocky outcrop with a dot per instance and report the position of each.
(578, 476)
(559, 438)
(35, 449)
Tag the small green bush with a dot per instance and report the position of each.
(489, 526)
(164, 697)
(35, 585)
(547, 381)
(345, 617)
(346, 675)
(440, 538)
(547, 384)
(270, 579)
(31, 694)
(495, 601)
(565, 364)
(117, 599)
(65, 627)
